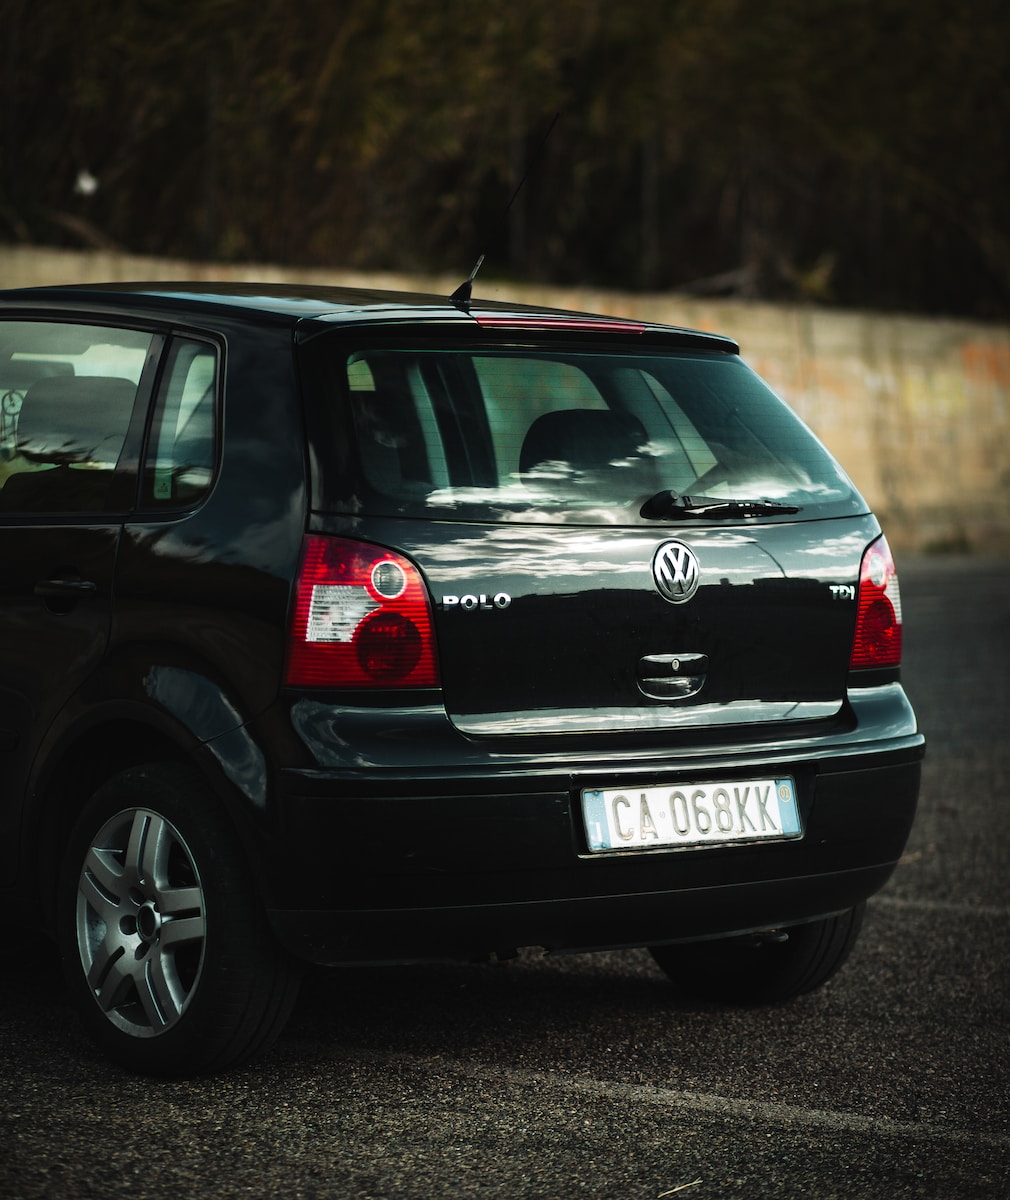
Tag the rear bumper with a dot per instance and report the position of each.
(475, 933)
(372, 870)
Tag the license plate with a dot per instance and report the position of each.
(696, 814)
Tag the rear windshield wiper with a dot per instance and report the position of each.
(668, 506)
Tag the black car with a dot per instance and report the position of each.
(345, 627)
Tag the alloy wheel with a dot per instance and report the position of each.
(141, 922)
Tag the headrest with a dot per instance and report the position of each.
(75, 418)
(585, 437)
(17, 375)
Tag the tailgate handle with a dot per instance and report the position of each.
(666, 666)
(672, 676)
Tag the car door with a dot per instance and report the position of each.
(69, 394)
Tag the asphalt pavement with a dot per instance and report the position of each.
(583, 1076)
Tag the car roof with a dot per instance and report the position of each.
(323, 307)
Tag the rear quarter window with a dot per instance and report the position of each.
(181, 451)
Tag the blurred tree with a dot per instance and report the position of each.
(840, 151)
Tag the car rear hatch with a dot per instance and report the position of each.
(558, 630)
(620, 530)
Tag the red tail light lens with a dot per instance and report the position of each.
(877, 642)
(361, 619)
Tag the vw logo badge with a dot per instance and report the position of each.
(676, 572)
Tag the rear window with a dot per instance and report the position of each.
(569, 436)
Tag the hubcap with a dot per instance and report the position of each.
(148, 922)
(141, 924)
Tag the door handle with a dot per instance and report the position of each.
(50, 589)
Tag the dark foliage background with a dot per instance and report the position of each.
(842, 151)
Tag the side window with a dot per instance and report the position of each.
(181, 452)
(66, 398)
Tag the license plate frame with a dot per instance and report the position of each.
(691, 816)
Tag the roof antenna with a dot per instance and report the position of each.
(461, 296)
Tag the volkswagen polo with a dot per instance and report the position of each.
(343, 627)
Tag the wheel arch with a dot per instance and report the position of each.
(85, 757)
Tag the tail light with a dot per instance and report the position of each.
(877, 641)
(361, 619)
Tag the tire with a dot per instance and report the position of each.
(164, 942)
(762, 969)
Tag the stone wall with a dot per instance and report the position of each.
(917, 410)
